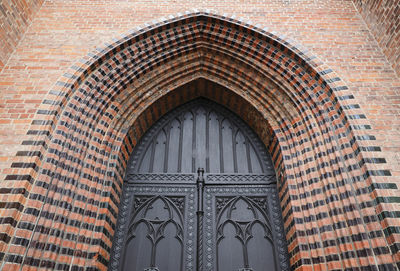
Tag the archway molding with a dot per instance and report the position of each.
(299, 108)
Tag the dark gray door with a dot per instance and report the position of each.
(200, 194)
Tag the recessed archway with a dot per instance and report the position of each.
(294, 103)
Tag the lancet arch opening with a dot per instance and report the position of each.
(294, 103)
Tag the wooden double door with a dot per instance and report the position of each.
(200, 194)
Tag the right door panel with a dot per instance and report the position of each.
(242, 229)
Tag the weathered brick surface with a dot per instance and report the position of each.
(15, 17)
(345, 120)
(383, 19)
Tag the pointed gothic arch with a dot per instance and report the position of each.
(297, 106)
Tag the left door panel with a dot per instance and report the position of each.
(158, 228)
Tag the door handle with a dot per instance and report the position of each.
(200, 215)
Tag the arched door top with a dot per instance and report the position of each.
(200, 134)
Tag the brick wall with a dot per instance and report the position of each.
(383, 19)
(34, 106)
(15, 17)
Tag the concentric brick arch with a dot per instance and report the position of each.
(298, 107)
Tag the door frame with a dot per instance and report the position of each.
(202, 181)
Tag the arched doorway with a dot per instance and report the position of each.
(200, 194)
(103, 105)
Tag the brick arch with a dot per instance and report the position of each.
(297, 106)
